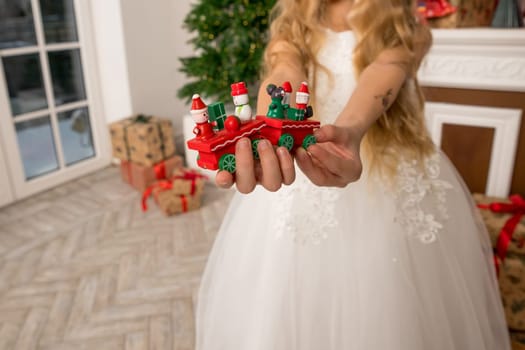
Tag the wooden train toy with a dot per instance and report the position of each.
(216, 132)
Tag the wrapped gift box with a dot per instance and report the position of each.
(495, 221)
(497, 214)
(171, 203)
(512, 287)
(145, 140)
(141, 176)
(518, 340)
(187, 181)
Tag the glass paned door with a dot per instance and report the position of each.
(48, 116)
(17, 27)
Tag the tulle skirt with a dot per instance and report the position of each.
(359, 268)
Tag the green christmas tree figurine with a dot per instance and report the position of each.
(229, 44)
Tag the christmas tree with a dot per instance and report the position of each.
(229, 44)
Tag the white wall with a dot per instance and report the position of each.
(111, 58)
(154, 41)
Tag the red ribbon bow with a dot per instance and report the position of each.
(516, 207)
(163, 184)
(189, 175)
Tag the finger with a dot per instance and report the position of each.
(271, 172)
(224, 179)
(339, 162)
(309, 168)
(331, 133)
(317, 172)
(328, 160)
(244, 173)
(286, 164)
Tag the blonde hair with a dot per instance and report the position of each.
(297, 25)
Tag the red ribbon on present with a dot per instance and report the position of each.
(160, 170)
(190, 175)
(184, 201)
(163, 184)
(516, 207)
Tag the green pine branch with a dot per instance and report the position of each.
(229, 41)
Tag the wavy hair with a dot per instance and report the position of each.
(297, 25)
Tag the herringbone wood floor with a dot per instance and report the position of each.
(82, 267)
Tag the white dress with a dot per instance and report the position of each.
(366, 267)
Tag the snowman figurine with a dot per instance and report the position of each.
(240, 100)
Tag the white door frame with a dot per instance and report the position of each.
(6, 193)
(21, 187)
(506, 125)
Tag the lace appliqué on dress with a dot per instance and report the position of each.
(413, 186)
(305, 212)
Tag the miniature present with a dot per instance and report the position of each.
(187, 181)
(169, 201)
(217, 115)
(141, 176)
(145, 140)
(505, 221)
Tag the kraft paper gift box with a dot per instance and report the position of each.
(187, 181)
(171, 203)
(495, 221)
(505, 222)
(141, 176)
(145, 140)
(511, 278)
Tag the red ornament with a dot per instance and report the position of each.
(232, 123)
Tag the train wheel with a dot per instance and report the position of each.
(227, 162)
(254, 148)
(308, 141)
(286, 140)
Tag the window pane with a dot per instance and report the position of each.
(75, 133)
(37, 148)
(24, 82)
(16, 24)
(66, 73)
(59, 21)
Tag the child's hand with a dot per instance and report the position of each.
(334, 160)
(274, 168)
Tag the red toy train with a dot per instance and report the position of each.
(216, 133)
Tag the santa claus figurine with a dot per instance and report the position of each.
(240, 100)
(303, 111)
(199, 113)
